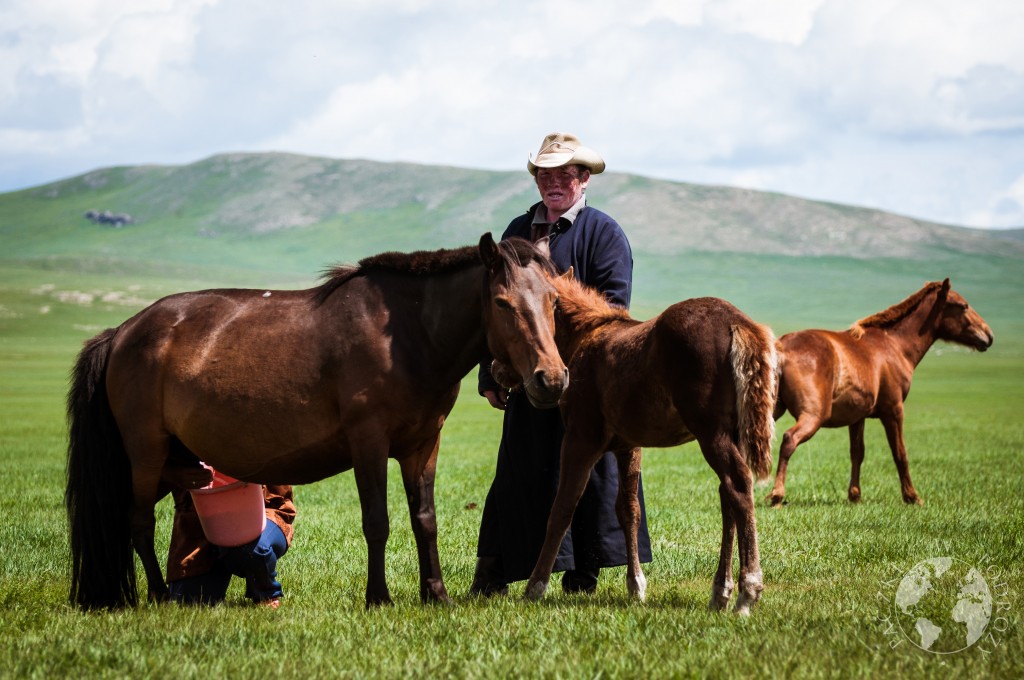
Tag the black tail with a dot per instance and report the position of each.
(99, 489)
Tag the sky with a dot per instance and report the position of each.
(914, 107)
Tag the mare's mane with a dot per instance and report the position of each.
(424, 263)
(896, 313)
(420, 263)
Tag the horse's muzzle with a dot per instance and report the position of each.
(544, 388)
(982, 341)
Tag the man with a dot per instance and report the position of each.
(516, 510)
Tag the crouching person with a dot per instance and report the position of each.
(199, 572)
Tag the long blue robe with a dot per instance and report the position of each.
(526, 477)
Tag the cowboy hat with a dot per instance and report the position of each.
(560, 148)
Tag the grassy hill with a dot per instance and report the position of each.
(277, 219)
(287, 212)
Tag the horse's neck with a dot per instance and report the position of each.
(915, 333)
(452, 319)
(578, 322)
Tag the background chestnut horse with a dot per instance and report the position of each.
(701, 370)
(291, 387)
(839, 379)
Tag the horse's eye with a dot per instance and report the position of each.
(503, 303)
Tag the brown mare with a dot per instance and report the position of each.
(839, 379)
(703, 371)
(291, 387)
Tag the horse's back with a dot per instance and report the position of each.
(695, 337)
(832, 374)
(664, 368)
(204, 336)
(234, 374)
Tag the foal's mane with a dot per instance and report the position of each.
(583, 306)
(896, 313)
(423, 263)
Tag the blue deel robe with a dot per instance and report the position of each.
(526, 477)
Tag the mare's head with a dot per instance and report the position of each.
(519, 316)
(959, 323)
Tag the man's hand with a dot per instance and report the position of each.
(187, 477)
(497, 400)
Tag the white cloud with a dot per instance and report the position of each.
(911, 106)
(784, 21)
(681, 12)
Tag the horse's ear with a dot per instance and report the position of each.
(489, 252)
(568, 274)
(544, 246)
(944, 291)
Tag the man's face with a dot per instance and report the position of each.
(560, 188)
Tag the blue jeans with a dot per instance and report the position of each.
(256, 562)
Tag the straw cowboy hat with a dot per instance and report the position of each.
(560, 148)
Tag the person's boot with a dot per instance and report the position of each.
(580, 580)
(488, 579)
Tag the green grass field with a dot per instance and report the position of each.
(831, 569)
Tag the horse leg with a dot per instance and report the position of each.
(418, 477)
(740, 491)
(370, 465)
(574, 472)
(736, 493)
(805, 428)
(627, 508)
(856, 458)
(721, 588)
(893, 424)
(148, 454)
(144, 490)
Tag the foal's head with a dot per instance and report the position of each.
(959, 323)
(519, 316)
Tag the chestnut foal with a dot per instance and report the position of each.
(701, 370)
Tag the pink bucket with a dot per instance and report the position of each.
(231, 512)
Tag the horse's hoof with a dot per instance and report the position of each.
(750, 592)
(439, 601)
(774, 500)
(637, 587)
(913, 500)
(744, 603)
(535, 590)
(159, 596)
(854, 495)
(434, 592)
(718, 603)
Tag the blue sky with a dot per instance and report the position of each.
(915, 106)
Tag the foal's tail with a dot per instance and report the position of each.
(98, 496)
(755, 368)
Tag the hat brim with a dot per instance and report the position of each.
(588, 158)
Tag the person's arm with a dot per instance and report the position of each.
(183, 477)
(279, 500)
(611, 266)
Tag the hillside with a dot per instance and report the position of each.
(292, 212)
